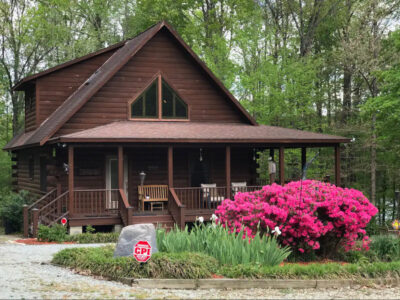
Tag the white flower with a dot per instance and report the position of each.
(277, 231)
(213, 217)
(200, 219)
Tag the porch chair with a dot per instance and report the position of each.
(210, 194)
(238, 187)
(156, 195)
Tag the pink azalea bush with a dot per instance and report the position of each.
(311, 215)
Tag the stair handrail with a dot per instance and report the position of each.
(125, 209)
(176, 204)
(51, 202)
(41, 199)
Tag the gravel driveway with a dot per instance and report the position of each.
(25, 273)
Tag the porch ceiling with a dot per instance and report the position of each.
(197, 132)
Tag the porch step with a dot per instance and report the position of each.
(165, 220)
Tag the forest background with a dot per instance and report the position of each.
(329, 66)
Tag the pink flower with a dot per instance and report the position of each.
(304, 211)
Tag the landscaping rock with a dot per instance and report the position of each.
(132, 234)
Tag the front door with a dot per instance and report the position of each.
(112, 180)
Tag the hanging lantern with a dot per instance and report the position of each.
(201, 154)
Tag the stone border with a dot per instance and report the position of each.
(226, 283)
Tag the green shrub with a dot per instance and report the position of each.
(385, 247)
(90, 229)
(54, 233)
(227, 248)
(186, 265)
(87, 238)
(11, 210)
(314, 271)
(100, 261)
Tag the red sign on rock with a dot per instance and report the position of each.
(142, 251)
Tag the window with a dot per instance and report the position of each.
(172, 105)
(148, 103)
(43, 174)
(31, 167)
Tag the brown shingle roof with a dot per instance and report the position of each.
(178, 132)
(19, 86)
(18, 140)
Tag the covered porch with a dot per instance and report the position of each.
(165, 183)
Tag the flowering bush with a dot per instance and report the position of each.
(309, 215)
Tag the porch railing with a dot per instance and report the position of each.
(176, 208)
(207, 198)
(96, 201)
(125, 210)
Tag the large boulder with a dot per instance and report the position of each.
(132, 234)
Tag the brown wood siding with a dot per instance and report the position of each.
(30, 109)
(56, 87)
(23, 179)
(206, 102)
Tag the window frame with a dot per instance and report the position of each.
(159, 78)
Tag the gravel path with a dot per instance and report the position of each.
(25, 272)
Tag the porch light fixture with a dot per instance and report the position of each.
(142, 177)
(201, 154)
(254, 154)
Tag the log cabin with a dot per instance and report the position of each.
(141, 131)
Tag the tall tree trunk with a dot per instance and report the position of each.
(347, 76)
(373, 160)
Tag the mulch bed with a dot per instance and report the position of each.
(34, 241)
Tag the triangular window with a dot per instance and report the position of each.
(147, 105)
(172, 105)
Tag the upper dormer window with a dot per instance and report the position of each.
(152, 104)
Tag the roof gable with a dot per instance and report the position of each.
(73, 103)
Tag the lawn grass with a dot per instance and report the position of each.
(186, 265)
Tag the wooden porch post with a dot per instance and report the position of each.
(303, 159)
(228, 171)
(120, 167)
(71, 179)
(337, 165)
(35, 221)
(281, 165)
(26, 220)
(170, 166)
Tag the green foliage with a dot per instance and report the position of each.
(93, 238)
(90, 229)
(11, 210)
(314, 271)
(54, 233)
(187, 265)
(100, 261)
(227, 248)
(385, 247)
(58, 233)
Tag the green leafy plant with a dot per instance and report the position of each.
(386, 247)
(54, 233)
(87, 238)
(100, 261)
(227, 248)
(90, 229)
(11, 210)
